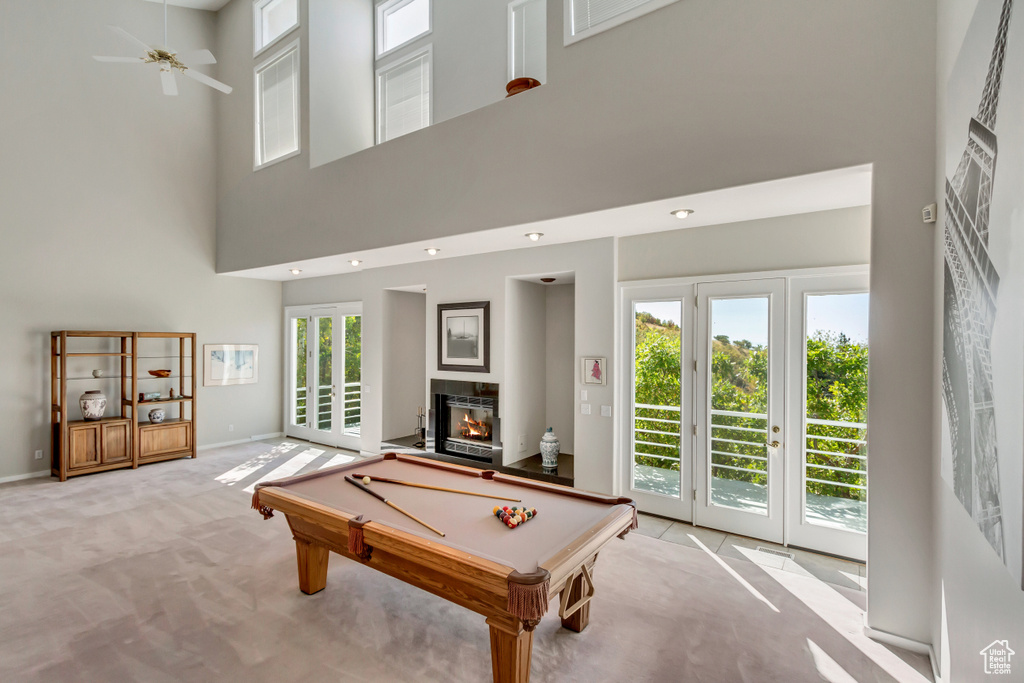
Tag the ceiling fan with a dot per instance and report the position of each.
(168, 61)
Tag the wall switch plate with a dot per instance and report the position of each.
(606, 411)
(39, 455)
(522, 442)
(231, 428)
(583, 394)
(585, 408)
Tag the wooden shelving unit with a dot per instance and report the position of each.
(128, 439)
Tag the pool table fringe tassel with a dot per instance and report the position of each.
(267, 512)
(356, 544)
(528, 601)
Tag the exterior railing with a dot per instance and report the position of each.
(739, 446)
(656, 436)
(836, 458)
(352, 407)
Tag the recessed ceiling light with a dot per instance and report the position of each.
(534, 236)
(295, 271)
(355, 262)
(682, 213)
(432, 251)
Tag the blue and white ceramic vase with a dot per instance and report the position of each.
(549, 447)
(157, 415)
(93, 404)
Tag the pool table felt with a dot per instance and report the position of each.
(467, 521)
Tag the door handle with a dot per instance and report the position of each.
(774, 444)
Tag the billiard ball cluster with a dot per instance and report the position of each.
(513, 517)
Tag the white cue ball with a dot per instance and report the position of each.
(366, 481)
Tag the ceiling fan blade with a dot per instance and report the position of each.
(125, 60)
(168, 82)
(130, 38)
(206, 80)
(197, 57)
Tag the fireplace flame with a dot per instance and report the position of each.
(473, 429)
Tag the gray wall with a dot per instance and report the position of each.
(755, 92)
(404, 387)
(107, 204)
(982, 601)
(810, 240)
(526, 364)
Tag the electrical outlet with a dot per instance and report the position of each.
(585, 409)
(606, 411)
(231, 428)
(522, 442)
(39, 455)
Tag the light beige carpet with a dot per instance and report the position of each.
(165, 574)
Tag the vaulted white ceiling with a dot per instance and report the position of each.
(212, 5)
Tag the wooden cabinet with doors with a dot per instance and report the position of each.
(126, 439)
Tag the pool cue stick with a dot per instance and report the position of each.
(434, 488)
(387, 502)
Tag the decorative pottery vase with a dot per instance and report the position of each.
(549, 447)
(97, 373)
(93, 404)
(157, 415)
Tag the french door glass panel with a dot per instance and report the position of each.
(738, 452)
(657, 397)
(323, 387)
(298, 410)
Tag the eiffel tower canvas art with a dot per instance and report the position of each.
(971, 305)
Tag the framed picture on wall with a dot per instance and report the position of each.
(230, 364)
(594, 370)
(464, 336)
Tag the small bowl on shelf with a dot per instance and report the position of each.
(160, 373)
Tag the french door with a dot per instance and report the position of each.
(324, 390)
(747, 406)
(740, 406)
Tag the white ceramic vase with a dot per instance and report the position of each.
(93, 404)
(549, 447)
(157, 415)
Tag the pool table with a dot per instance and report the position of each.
(505, 574)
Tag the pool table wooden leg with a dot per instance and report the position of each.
(511, 651)
(576, 598)
(312, 561)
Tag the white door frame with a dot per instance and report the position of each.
(667, 288)
(336, 437)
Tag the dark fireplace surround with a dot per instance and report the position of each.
(463, 425)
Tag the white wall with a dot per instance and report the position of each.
(983, 601)
(485, 279)
(340, 95)
(107, 214)
(526, 364)
(810, 240)
(404, 384)
(561, 363)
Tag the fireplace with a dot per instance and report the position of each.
(464, 423)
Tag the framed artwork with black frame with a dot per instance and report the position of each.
(464, 336)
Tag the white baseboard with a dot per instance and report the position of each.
(254, 437)
(905, 643)
(272, 435)
(30, 475)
